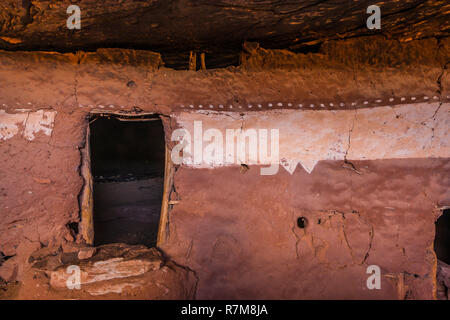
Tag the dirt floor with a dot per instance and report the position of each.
(127, 212)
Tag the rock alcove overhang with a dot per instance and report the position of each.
(175, 27)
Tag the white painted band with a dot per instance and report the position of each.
(418, 130)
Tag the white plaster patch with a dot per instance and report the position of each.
(308, 164)
(289, 165)
(26, 123)
(309, 136)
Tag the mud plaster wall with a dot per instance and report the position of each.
(239, 230)
(236, 231)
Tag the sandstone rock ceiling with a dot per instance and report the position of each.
(217, 27)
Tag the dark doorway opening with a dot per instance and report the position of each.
(127, 165)
(442, 238)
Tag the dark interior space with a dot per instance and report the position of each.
(127, 163)
(442, 238)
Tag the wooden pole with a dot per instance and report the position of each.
(168, 183)
(192, 61)
(202, 59)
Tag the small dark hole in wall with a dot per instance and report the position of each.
(302, 222)
(127, 163)
(442, 237)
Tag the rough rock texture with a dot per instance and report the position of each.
(86, 253)
(117, 271)
(218, 27)
(443, 280)
(8, 290)
(236, 231)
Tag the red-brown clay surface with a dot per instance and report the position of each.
(239, 231)
(236, 231)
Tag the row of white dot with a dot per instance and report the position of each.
(280, 104)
